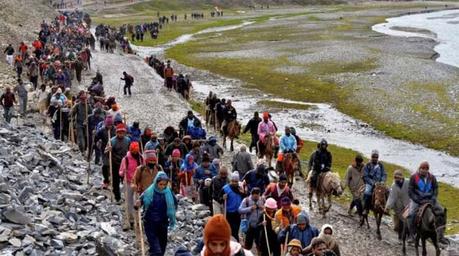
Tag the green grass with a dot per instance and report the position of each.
(198, 107)
(333, 67)
(343, 157)
(272, 104)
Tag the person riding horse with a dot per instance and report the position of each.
(229, 115)
(373, 173)
(265, 127)
(321, 162)
(288, 142)
(423, 189)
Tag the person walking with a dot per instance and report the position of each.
(269, 244)
(101, 141)
(159, 207)
(80, 113)
(128, 82)
(232, 196)
(354, 180)
(242, 162)
(252, 126)
(146, 173)
(9, 51)
(251, 209)
(22, 95)
(7, 101)
(216, 186)
(398, 200)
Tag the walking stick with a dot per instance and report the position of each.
(110, 165)
(142, 244)
(126, 206)
(87, 140)
(224, 207)
(286, 245)
(60, 123)
(266, 235)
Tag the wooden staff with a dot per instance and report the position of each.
(142, 244)
(286, 244)
(224, 207)
(87, 140)
(266, 234)
(110, 165)
(60, 123)
(126, 206)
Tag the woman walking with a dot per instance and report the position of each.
(159, 206)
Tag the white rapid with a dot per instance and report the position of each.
(443, 24)
(321, 121)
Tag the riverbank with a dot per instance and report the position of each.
(335, 57)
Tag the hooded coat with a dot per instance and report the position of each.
(330, 240)
(305, 236)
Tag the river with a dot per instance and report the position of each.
(323, 120)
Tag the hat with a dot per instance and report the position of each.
(150, 156)
(295, 243)
(216, 161)
(375, 152)
(217, 229)
(235, 176)
(186, 137)
(398, 174)
(302, 218)
(271, 203)
(285, 201)
(108, 120)
(134, 147)
(265, 115)
(176, 153)
(282, 177)
(324, 142)
(120, 128)
(59, 90)
(280, 157)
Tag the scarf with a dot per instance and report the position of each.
(147, 197)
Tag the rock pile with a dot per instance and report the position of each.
(46, 207)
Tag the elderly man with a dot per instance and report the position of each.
(242, 162)
(373, 173)
(423, 189)
(398, 200)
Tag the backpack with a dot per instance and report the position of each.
(196, 133)
(132, 79)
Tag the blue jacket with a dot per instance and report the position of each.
(287, 143)
(151, 145)
(200, 172)
(421, 190)
(134, 133)
(304, 236)
(374, 173)
(233, 201)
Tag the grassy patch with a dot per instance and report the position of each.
(198, 107)
(283, 105)
(334, 67)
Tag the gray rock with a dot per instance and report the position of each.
(16, 216)
(4, 199)
(25, 194)
(56, 243)
(15, 242)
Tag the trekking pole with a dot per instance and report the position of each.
(126, 206)
(87, 140)
(110, 165)
(142, 244)
(266, 235)
(60, 123)
(286, 245)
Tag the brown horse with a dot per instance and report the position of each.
(267, 149)
(328, 184)
(233, 129)
(290, 165)
(377, 206)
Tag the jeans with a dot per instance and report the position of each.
(7, 113)
(157, 238)
(23, 104)
(128, 87)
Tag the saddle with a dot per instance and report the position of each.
(419, 213)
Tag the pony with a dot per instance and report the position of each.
(377, 206)
(266, 149)
(290, 165)
(233, 129)
(328, 184)
(426, 228)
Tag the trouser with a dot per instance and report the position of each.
(23, 104)
(128, 87)
(169, 83)
(234, 219)
(19, 72)
(157, 237)
(106, 173)
(81, 137)
(251, 236)
(357, 202)
(129, 199)
(9, 59)
(98, 154)
(367, 196)
(216, 207)
(34, 81)
(57, 131)
(7, 113)
(398, 225)
(116, 181)
(253, 143)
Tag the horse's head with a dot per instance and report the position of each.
(335, 184)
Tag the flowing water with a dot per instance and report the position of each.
(323, 120)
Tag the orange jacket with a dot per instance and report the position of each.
(282, 221)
